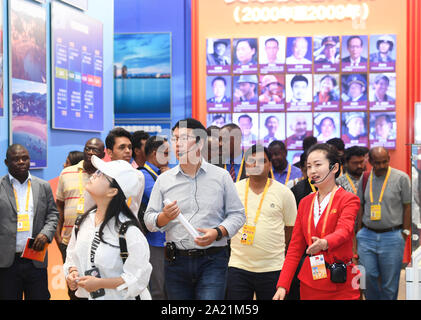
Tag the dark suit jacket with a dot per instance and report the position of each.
(45, 218)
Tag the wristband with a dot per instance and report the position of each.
(219, 236)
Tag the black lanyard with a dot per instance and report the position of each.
(94, 247)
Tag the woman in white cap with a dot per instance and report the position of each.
(93, 265)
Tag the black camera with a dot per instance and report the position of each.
(337, 272)
(170, 251)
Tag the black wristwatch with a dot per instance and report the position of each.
(219, 237)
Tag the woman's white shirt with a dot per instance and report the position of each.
(136, 270)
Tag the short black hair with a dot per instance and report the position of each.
(116, 133)
(331, 154)
(255, 148)
(272, 39)
(153, 143)
(219, 78)
(297, 78)
(212, 128)
(354, 37)
(230, 126)
(137, 138)
(308, 142)
(75, 157)
(337, 143)
(278, 143)
(355, 151)
(199, 129)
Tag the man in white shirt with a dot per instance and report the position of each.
(299, 51)
(27, 210)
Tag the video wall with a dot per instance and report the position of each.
(287, 88)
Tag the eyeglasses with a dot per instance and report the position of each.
(175, 139)
(91, 149)
(98, 174)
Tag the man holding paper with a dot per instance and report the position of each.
(195, 268)
(27, 210)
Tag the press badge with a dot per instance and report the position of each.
(247, 237)
(80, 205)
(375, 212)
(318, 267)
(23, 222)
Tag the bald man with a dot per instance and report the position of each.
(384, 221)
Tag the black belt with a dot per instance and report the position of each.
(384, 230)
(199, 252)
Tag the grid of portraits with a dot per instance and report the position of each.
(287, 88)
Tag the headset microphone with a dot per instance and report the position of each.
(181, 153)
(331, 167)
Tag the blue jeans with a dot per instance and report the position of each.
(242, 284)
(197, 277)
(381, 256)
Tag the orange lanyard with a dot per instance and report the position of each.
(259, 208)
(311, 215)
(313, 188)
(27, 198)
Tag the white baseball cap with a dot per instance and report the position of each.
(122, 172)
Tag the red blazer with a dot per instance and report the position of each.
(339, 234)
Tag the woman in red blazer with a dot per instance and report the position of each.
(324, 229)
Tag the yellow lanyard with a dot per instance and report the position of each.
(288, 174)
(311, 215)
(259, 208)
(313, 188)
(239, 172)
(354, 190)
(81, 182)
(148, 167)
(27, 198)
(383, 187)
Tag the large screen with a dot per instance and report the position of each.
(142, 76)
(77, 45)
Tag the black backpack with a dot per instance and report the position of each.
(124, 254)
(121, 236)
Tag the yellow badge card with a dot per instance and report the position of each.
(23, 222)
(80, 206)
(247, 237)
(318, 267)
(376, 212)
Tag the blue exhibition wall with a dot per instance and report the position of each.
(60, 142)
(174, 16)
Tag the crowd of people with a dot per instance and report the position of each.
(263, 228)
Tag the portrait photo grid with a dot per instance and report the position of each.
(288, 88)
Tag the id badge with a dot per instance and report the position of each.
(247, 236)
(23, 222)
(80, 206)
(375, 212)
(318, 267)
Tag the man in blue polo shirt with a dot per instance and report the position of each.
(282, 170)
(156, 152)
